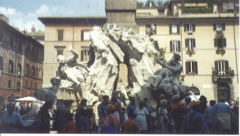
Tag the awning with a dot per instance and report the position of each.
(28, 98)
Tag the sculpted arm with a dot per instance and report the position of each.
(75, 55)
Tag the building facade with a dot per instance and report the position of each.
(21, 64)
(206, 37)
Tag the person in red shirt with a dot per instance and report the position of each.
(111, 123)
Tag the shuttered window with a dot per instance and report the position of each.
(60, 35)
(175, 46)
(191, 67)
(190, 44)
(189, 28)
(219, 27)
(221, 66)
(174, 29)
(220, 42)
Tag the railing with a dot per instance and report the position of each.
(223, 74)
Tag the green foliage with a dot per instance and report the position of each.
(197, 10)
(147, 4)
(140, 4)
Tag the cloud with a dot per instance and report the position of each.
(67, 8)
(20, 20)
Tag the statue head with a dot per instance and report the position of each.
(177, 56)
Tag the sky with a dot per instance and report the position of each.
(23, 14)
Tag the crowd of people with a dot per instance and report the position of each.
(174, 116)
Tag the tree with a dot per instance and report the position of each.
(140, 4)
(147, 4)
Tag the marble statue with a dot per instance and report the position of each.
(108, 50)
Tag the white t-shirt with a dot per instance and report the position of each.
(141, 113)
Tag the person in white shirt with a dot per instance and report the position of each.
(141, 113)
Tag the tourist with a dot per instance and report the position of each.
(235, 118)
(223, 112)
(102, 110)
(63, 116)
(111, 123)
(82, 119)
(211, 117)
(131, 106)
(130, 126)
(194, 122)
(188, 103)
(117, 103)
(150, 111)
(11, 121)
(203, 103)
(161, 97)
(163, 117)
(178, 112)
(45, 117)
(141, 113)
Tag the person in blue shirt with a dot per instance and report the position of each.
(211, 117)
(223, 113)
(131, 106)
(194, 122)
(11, 121)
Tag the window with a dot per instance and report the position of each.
(9, 84)
(221, 67)
(85, 35)
(28, 69)
(175, 46)
(19, 70)
(11, 41)
(35, 85)
(174, 29)
(219, 27)
(20, 46)
(18, 86)
(191, 67)
(10, 68)
(28, 47)
(26, 84)
(59, 49)
(84, 55)
(31, 85)
(36, 70)
(33, 71)
(190, 44)
(220, 42)
(189, 28)
(1, 63)
(60, 35)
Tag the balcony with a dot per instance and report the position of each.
(228, 74)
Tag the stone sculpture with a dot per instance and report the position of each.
(108, 50)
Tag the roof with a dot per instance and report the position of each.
(100, 20)
(18, 34)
